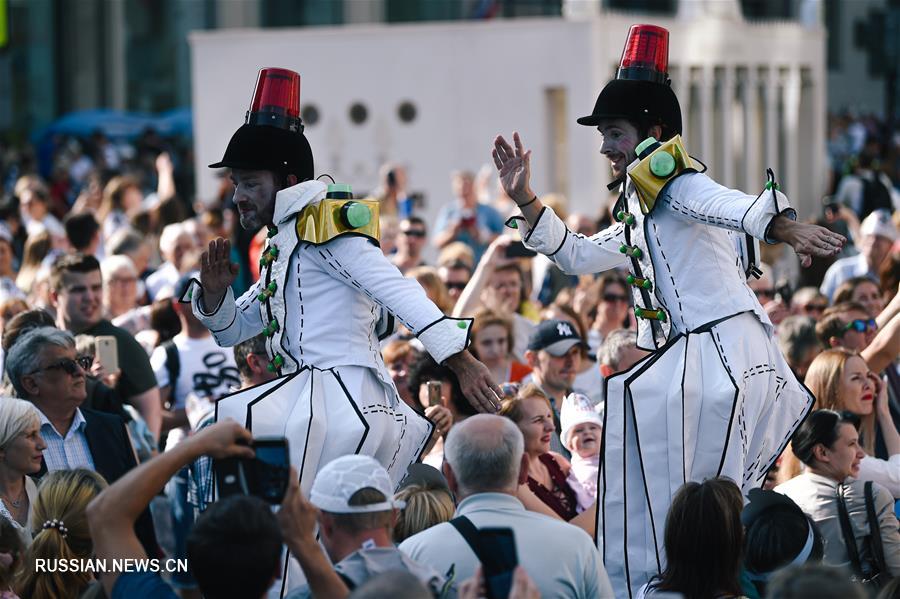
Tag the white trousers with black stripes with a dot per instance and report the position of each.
(722, 402)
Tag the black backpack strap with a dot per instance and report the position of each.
(468, 531)
(173, 363)
(847, 533)
(875, 530)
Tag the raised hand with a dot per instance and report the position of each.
(217, 272)
(515, 168)
(476, 382)
(807, 240)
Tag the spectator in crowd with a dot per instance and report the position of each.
(798, 342)
(398, 357)
(547, 473)
(846, 325)
(37, 247)
(120, 295)
(390, 228)
(466, 219)
(485, 462)
(867, 188)
(356, 517)
(178, 247)
(77, 291)
(62, 534)
(703, 526)
(828, 444)
(9, 309)
(397, 585)
(425, 369)
(619, 352)
(83, 233)
(455, 252)
(122, 199)
(434, 288)
(492, 342)
(20, 455)
(10, 216)
(34, 201)
(777, 535)
(391, 195)
(12, 552)
(456, 276)
(252, 361)
(235, 547)
(428, 501)
(862, 290)
(17, 325)
(877, 234)
(8, 289)
(612, 307)
(815, 580)
(809, 301)
(410, 243)
(582, 435)
(554, 355)
(42, 369)
(128, 242)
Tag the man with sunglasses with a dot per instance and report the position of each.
(846, 325)
(410, 243)
(43, 369)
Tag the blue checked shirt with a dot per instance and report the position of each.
(71, 451)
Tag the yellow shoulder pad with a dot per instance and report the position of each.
(325, 220)
(648, 184)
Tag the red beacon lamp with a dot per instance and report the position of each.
(276, 100)
(646, 55)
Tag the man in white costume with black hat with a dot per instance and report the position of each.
(325, 292)
(715, 397)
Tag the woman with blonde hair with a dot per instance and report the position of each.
(426, 505)
(21, 447)
(63, 534)
(37, 247)
(435, 289)
(841, 381)
(492, 343)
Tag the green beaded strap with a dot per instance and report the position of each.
(640, 282)
(650, 314)
(626, 217)
(631, 250)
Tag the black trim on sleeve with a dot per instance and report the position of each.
(561, 244)
(534, 226)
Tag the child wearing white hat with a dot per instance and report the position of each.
(582, 428)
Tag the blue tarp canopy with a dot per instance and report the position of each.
(117, 124)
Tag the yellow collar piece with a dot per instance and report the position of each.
(323, 221)
(648, 184)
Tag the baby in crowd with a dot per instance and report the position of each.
(582, 428)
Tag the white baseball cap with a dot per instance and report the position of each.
(577, 409)
(336, 483)
(879, 223)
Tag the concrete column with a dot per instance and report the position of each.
(707, 148)
(771, 158)
(726, 99)
(792, 130)
(116, 87)
(821, 166)
(681, 83)
(752, 171)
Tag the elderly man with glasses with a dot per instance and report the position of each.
(43, 369)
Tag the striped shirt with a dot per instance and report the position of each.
(69, 452)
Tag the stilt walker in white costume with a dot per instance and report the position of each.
(715, 397)
(325, 291)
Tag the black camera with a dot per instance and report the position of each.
(264, 476)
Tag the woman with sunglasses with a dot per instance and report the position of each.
(841, 381)
(613, 308)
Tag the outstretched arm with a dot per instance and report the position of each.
(807, 240)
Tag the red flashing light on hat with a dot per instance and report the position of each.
(646, 55)
(276, 100)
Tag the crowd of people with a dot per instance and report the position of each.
(110, 384)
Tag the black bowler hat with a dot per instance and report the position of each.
(642, 89)
(272, 135)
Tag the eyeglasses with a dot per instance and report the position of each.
(612, 297)
(123, 280)
(69, 366)
(859, 325)
(414, 233)
(764, 292)
(456, 285)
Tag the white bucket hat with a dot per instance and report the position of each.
(336, 483)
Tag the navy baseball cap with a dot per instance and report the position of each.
(556, 337)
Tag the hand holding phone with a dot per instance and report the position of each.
(265, 476)
(435, 393)
(106, 350)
